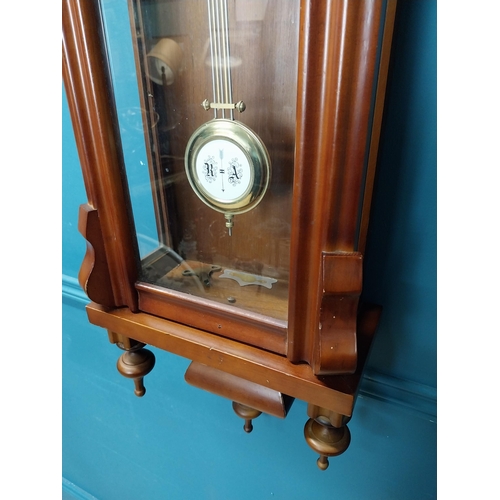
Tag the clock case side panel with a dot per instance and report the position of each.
(112, 258)
(342, 75)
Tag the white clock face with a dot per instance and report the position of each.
(224, 171)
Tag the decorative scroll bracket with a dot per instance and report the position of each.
(336, 347)
(94, 275)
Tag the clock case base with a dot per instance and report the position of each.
(266, 382)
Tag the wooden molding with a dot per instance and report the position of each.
(333, 130)
(90, 97)
(376, 126)
(335, 393)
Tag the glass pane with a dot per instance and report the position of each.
(213, 212)
(131, 113)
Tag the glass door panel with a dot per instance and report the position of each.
(196, 61)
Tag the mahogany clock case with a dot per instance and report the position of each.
(313, 77)
(307, 234)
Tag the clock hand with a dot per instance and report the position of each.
(221, 170)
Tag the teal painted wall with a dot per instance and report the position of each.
(179, 442)
(401, 269)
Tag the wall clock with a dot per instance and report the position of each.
(259, 124)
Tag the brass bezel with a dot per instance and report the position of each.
(253, 148)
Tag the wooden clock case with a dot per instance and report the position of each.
(318, 354)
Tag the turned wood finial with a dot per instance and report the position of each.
(327, 440)
(135, 363)
(247, 413)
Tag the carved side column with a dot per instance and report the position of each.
(89, 91)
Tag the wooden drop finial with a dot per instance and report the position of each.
(327, 440)
(135, 364)
(246, 413)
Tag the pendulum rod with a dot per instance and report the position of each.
(220, 59)
(225, 36)
(212, 52)
(220, 56)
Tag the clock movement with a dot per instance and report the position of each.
(237, 239)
